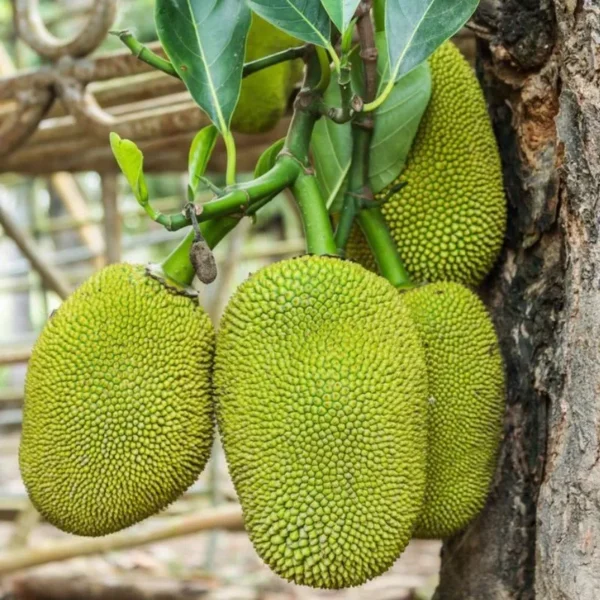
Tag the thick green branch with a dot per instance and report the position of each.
(238, 198)
(384, 248)
(315, 218)
(220, 216)
(145, 54)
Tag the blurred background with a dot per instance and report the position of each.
(64, 213)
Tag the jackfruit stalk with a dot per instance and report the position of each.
(321, 389)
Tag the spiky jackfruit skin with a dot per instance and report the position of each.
(264, 95)
(449, 220)
(321, 393)
(118, 418)
(466, 404)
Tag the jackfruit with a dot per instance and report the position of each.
(466, 404)
(118, 416)
(321, 391)
(264, 95)
(450, 218)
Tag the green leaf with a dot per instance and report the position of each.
(415, 29)
(331, 148)
(131, 162)
(305, 19)
(205, 41)
(396, 125)
(201, 149)
(267, 159)
(341, 11)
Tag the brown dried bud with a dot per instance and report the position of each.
(203, 261)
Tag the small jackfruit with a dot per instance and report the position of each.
(450, 218)
(321, 392)
(118, 417)
(466, 404)
(264, 95)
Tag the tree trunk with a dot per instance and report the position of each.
(539, 535)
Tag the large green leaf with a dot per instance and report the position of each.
(416, 28)
(396, 125)
(305, 19)
(341, 11)
(205, 40)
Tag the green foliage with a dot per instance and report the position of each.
(131, 162)
(200, 151)
(415, 29)
(304, 19)
(341, 11)
(205, 42)
(396, 125)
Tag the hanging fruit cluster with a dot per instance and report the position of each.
(358, 389)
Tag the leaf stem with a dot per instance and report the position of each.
(145, 54)
(379, 15)
(273, 59)
(231, 157)
(158, 62)
(387, 90)
(334, 57)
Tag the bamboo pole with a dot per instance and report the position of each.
(68, 191)
(228, 516)
(15, 355)
(49, 274)
(112, 220)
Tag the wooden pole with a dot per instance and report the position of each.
(228, 516)
(112, 219)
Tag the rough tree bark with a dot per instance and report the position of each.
(539, 536)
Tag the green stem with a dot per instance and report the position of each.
(315, 218)
(154, 60)
(379, 15)
(384, 247)
(297, 141)
(231, 158)
(273, 59)
(145, 54)
(358, 177)
(238, 199)
(177, 266)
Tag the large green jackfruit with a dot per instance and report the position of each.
(265, 94)
(118, 403)
(321, 393)
(449, 220)
(466, 388)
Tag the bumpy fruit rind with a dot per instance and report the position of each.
(118, 403)
(450, 218)
(321, 392)
(466, 404)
